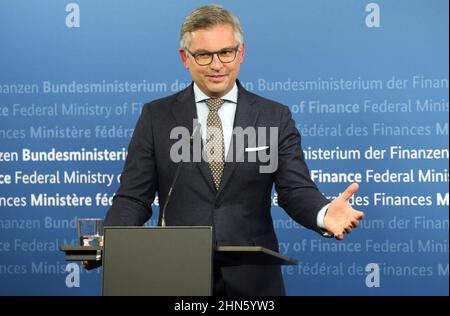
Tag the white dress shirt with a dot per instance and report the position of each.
(226, 113)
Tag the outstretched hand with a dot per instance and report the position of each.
(341, 218)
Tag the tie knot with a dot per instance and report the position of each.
(214, 104)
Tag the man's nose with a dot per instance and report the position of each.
(216, 64)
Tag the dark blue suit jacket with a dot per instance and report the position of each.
(240, 210)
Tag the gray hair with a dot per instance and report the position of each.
(205, 17)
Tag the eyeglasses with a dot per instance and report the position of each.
(226, 55)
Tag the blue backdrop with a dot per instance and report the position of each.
(367, 83)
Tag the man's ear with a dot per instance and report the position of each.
(184, 57)
(242, 53)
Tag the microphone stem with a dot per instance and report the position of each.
(177, 173)
(163, 215)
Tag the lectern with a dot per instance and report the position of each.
(176, 261)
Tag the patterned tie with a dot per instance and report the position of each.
(215, 149)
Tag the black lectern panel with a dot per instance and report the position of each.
(157, 261)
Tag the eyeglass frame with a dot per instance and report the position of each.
(194, 55)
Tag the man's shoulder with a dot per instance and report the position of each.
(265, 104)
(164, 103)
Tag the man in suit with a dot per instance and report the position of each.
(232, 196)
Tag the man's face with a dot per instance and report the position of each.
(217, 78)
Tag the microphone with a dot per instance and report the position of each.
(177, 173)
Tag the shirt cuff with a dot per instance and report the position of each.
(320, 218)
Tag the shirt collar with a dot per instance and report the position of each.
(231, 96)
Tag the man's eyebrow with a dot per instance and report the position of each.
(201, 51)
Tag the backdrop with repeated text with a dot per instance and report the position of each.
(367, 83)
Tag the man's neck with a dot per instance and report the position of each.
(231, 95)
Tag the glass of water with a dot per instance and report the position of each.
(90, 231)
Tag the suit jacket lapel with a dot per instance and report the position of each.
(246, 115)
(184, 112)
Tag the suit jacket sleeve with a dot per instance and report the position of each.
(297, 193)
(132, 202)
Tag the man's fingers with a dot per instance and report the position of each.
(359, 215)
(89, 265)
(351, 189)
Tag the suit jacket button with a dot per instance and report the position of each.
(216, 204)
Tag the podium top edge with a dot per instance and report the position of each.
(256, 249)
(79, 248)
(241, 248)
(157, 227)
